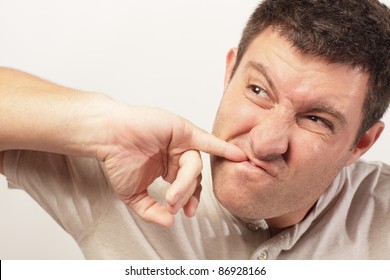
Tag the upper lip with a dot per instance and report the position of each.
(262, 165)
(271, 166)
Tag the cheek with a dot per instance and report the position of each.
(312, 152)
(317, 148)
(234, 117)
(313, 167)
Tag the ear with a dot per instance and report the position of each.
(230, 62)
(366, 141)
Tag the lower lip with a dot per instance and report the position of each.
(249, 167)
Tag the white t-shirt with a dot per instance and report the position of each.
(350, 221)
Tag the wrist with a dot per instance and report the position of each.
(87, 130)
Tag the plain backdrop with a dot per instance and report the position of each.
(169, 54)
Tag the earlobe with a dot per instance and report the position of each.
(366, 141)
(230, 63)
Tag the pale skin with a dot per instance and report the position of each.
(135, 144)
(289, 121)
(296, 118)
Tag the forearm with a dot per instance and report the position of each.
(39, 115)
(136, 145)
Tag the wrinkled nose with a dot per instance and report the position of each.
(269, 139)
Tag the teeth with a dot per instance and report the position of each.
(252, 164)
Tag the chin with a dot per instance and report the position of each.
(233, 196)
(238, 207)
(241, 192)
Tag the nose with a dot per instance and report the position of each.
(269, 139)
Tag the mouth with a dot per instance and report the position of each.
(260, 166)
(273, 167)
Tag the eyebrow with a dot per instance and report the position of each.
(261, 69)
(323, 108)
(315, 107)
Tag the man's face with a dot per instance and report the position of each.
(296, 117)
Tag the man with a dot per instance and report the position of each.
(304, 94)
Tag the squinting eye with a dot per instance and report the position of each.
(259, 91)
(321, 121)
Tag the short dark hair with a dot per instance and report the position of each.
(352, 32)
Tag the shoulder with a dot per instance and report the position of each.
(366, 188)
(372, 175)
(368, 185)
(370, 206)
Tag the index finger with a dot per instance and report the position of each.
(208, 143)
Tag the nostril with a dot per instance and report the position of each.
(269, 138)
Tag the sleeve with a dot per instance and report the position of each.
(73, 190)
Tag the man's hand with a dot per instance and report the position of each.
(146, 143)
(136, 145)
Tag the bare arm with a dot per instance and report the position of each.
(39, 115)
(135, 144)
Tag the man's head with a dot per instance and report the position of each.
(352, 32)
(294, 93)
